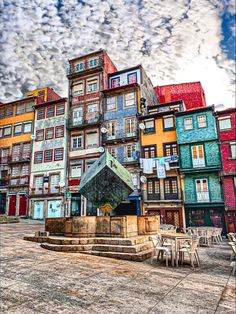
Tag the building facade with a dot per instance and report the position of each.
(49, 159)
(88, 76)
(200, 163)
(226, 126)
(16, 128)
(161, 187)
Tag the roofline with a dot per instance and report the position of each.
(157, 114)
(125, 70)
(180, 101)
(87, 55)
(19, 100)
(178, 84)
(50, 102)
(227, 110)
(119, 88)
(195, 110)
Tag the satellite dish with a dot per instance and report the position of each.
(103, 130)
(61, 184)
(142, 126)
(143, 179)
(33, 137)
(101, 149)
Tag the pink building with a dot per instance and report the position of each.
(226, 126)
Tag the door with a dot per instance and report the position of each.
(198, 158)
(172, 217)
(12, 205)
(54, 209)
(22, 205)
(202, 190)
(2, 203)
(76, 205)
(38, 210)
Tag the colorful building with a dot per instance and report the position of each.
(88, 76)
(49, 159)
(192, 94)
(16, 128)
(200, 163)
(226, 127)
(121, 107)
(161, 187)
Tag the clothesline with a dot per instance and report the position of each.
(161, 164)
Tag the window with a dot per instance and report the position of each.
(78, 89)
(91, 140)
(92, 111)
(168, 122)
(1, 132)
(78, 116)
(39, 135)
(111, 129)
(79, 67)
(115, 82)
(202, 190)
(29, 107)
(132, 78)
(58, 155)
(171, 188)
(149, 126)
(49, 133)
(233, 150)
(18, 128)
(20, 109)
(225, 123)
(92, 85)
(38, 183)
(6, 131)
(153, 188)
(201, 121)
(76, 171)
(54, 183)
(50, 111)
(9, 112)
(59, 131)
(77, 142)
(170, 149)
(25, 170)
(38, 157)
(41, 114)
(27, 127)
(134, 177)
(16, 149)
(15, 171)
(188, 123)
(93, 63)
(26, 151)
(111, 103)
(41, 94)
(130, 126)
(89, 164)
(48, 155)
(2, 113)
(130, 150)
(149, 151)
(129, 99)
(60, 109)
(112, 151)
(198, 159)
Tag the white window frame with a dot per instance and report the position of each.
(80, 92)
(132, 148)
(111, 103)
(129, 130)
(24, 126)
(94, 64)
(76, 167)
(164, 122)
(95, 144)
(130, 102)
(203, 123)
(224, 119)
(18, 125)
(79, 118)
(78, 67)
(73, 138)
(202, 196)
(198, 162)
(232, 150)
(93, 90)
(111, 129)
(188, 126)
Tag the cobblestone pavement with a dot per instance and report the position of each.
(34, 280)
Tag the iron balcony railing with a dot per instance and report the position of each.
(24, 180)
(20, 158)
(203, 197)
(120, 134)
(90, 118)
(45, 190)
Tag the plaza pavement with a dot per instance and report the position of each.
(34, 280)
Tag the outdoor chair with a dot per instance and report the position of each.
(205, 237)
(232, 237)
(191, 251)
(233, 252)
(215, 237)
(160, 249)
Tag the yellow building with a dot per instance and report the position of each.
(16, 127)
(161, 182)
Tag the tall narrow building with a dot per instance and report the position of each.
(88, 76)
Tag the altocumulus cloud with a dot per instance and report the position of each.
(176, 41)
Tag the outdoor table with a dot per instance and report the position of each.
(176, 237)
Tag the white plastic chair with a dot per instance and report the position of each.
(160, 249)
(191, 251)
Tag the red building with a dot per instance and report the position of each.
(192, 94)
(226, 126)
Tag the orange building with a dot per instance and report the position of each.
(161, 182)
(16, 127)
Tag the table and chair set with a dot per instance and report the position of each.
(171, 244)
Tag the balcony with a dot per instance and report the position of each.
(91, 118)
(5, 160)
(203, 197)
(121, 135)
(75, 70)
(46, 191)
(25, 157)
(19, 181)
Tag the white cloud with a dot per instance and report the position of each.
(176, 41)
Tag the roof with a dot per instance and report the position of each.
(196, 82)
(228, 110)
(167, 104)
(19, 100)
(87, 55)
(195, 110)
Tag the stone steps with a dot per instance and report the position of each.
(137, 257)
(66, 248)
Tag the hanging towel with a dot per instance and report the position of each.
(162, 160)
(161, 172)
(167, 166)
(147, 165)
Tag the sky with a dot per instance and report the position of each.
(176, 41)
